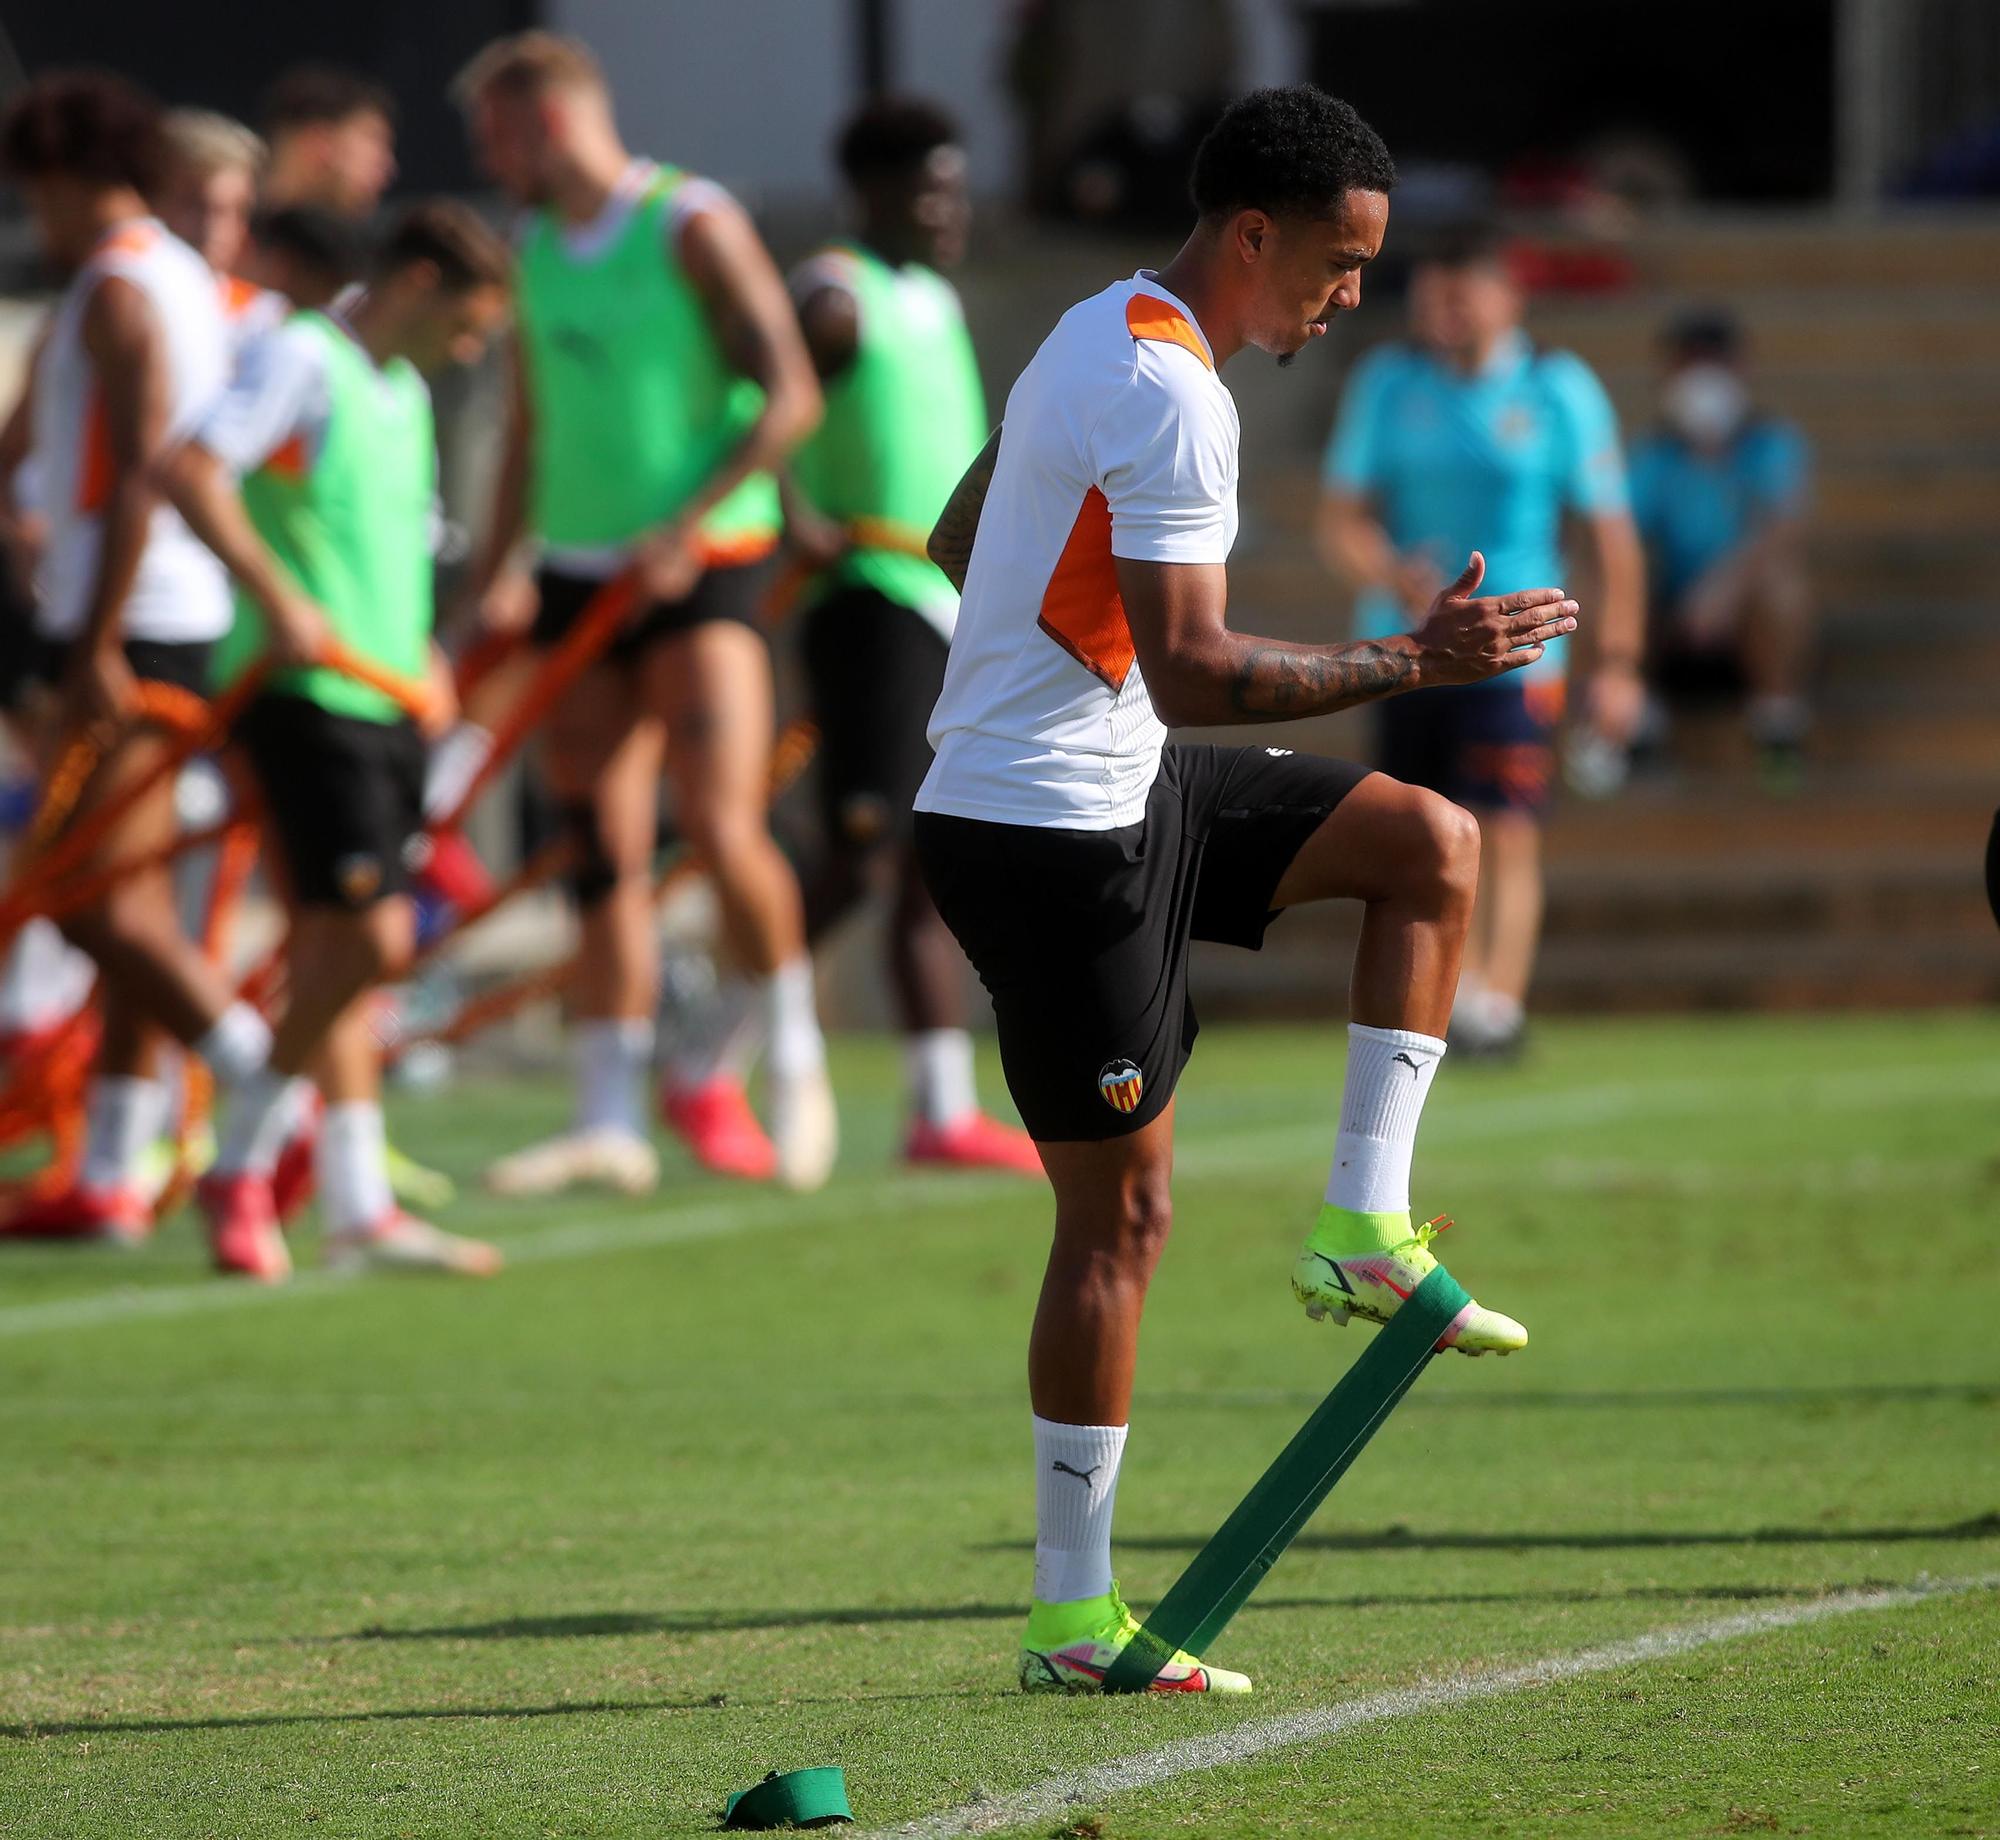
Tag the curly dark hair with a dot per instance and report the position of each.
(82, 124)
(1294, 152)
(891, 134)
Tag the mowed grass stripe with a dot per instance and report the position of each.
(1067, 1791)
(1201, 1155)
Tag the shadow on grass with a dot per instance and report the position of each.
(726, 1622)
(29, 1729)
(1822, 1398)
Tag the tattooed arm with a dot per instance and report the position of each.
(1199, 672)
(950, 543)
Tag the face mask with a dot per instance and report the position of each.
(1705, 402)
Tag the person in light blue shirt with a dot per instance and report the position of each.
(1721, 495)
(1471, 437)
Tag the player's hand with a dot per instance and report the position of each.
(100, 690)
(506, 605)
(818, 542)
(668, 563)
(1463, 640)
(440, 711)
(299, 633)
(1614, 701)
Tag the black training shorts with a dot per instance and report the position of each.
(1081, 937)
(346, 797)
(182, 663)
(725, 591)
(874, 668)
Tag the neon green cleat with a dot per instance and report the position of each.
(1069, 1648)
(429, 1191)
(1366, 1264)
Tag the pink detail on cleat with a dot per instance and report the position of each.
(243, 1232)
(81, 1213)
(293, 1177)
(715, 1122)
(976, 1141)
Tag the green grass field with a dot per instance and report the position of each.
(723, 1482)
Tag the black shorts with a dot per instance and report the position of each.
(346, 797)
(874, 668)
(1081, 937)
(726, 591)
(182, 663)
(1488, 747)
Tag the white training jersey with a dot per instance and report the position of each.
(1119, 440)
(180, 593)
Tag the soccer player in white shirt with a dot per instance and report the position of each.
(1075, 851)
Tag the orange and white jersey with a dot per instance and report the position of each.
(180, 593)
(1119, 440)
(248, 312)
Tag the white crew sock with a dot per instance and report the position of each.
(238, 1047)
(611, 1060)
(938, 1065)
(42, 980)
(796, 1047)
(264, 1110)
(1076, 1482)
(724, 1044)
(123, 1117)
(453, 764)
(352, 1167)
(1389, 1074)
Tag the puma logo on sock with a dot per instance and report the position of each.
(1082, 1475)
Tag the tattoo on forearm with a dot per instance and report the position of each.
(950, 544)
(1280, 680)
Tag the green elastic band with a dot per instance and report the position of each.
(1224, 1573)
(798, 1798)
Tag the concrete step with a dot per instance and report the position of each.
(1735, 255)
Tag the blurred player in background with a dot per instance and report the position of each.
(662, 378)
(332, 136)
(135, 354)
(329, 424)
(905, 414)
(1721, 492)
(1470, 436)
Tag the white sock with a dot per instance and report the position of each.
(264, 1110)
(796, 1044)
(1076, 1482)
(611, 1059)
(453, 764)
(352, 1166)
(123, 1117)
(43, 978)
(1389, 1074)
(724, 1044)
(238, 1047)
(1502, 1014)
(1468, 1005)
(938, 1065)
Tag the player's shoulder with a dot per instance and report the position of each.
(1563, 372)
(1386, 364)
(835, 267)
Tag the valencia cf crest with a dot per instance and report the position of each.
(359, 879)
(1122, 1085)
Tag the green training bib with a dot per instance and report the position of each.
(634, 403)
(352, 525)
(903, 422)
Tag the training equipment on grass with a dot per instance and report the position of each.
(797, 1798)
(1224, 1573)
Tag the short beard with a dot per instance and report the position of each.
(1286, 359)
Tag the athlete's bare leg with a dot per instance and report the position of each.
(336, 958)
(603, 756)
(1113, 1210)
(712, 687)
(926, 968)
(150, 968)
(1412, 858)
(1507, 924)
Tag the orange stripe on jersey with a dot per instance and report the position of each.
(133, 240)
(290, 461)
(1081, 608)
(238, 295)
(735, 549)
(1149, 317)
(94, 476)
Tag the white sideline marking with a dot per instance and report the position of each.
(1215, 1152)
(1055, 1795)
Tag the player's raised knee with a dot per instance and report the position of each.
(1443, 845)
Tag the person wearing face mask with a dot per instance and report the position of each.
(1720, 491)
(1466, 436)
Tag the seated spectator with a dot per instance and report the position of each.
(1720, 492)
